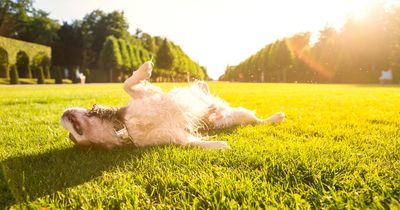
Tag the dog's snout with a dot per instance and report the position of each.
(67, 114)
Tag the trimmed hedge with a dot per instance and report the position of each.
(13, 46)
(40, 75)
(14, 78)
(4, 72)
(22, 64)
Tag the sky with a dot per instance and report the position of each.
(218, 33)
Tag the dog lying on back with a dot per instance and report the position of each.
(153, 117)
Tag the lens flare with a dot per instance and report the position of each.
(309, 60)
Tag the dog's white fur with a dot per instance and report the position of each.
(153, 117)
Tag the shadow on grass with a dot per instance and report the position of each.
(33, 176)
(6, 197)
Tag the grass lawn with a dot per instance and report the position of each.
(338, 148)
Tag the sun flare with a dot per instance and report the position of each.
(358, 9)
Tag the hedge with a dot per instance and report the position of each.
(13, 46)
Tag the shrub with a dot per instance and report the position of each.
(57, 72)
(14, 78)
(42, 60)
(110, 60)
(40, 75)
(86, 72)
(23, 65)
(4, 63)
(47, 72)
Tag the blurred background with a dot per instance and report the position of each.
(309, 41)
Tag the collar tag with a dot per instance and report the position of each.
(124, 135)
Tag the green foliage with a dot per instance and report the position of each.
(110, 60)
(165, 58)
(22, 64)
(20, 20)
(326, 155)
(4, 72)
(13, 46)
(14, 77)
(41, 60)
(68, 49)
(125, 56)
(96, 27)
(173, 63)
(40, 75)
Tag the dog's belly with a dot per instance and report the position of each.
(166, 118)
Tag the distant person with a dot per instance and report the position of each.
(386, 77)
(82, 78)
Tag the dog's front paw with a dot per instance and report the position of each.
(144, 71)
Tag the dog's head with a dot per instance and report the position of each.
(94, 126)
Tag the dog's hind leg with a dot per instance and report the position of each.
(240, 116)
(196, 142)
(136, 85)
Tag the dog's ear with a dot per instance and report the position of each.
(120, 114)
(77, 128)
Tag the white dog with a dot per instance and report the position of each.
(153, 117)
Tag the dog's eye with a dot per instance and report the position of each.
(77, 128)
(75, 124)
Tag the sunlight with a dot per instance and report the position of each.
(358, 9)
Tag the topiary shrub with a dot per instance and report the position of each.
(86, 72)
(14, 78)
(57, 72)
(22, 63)
(4, 63)
(40, 75)
(44, 61)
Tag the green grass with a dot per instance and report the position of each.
(338, 148)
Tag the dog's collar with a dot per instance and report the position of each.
(122, 132)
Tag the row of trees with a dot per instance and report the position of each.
(85, 44)
(355, 54)
(118, 58)
(101, 42)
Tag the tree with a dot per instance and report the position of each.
(40, 28)
(22, 65)
(68, 48)
(4, 63)
(96, 27)
(126, 59)
(20, 20)
(165, 57)
(14, 16)
(110, 59)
